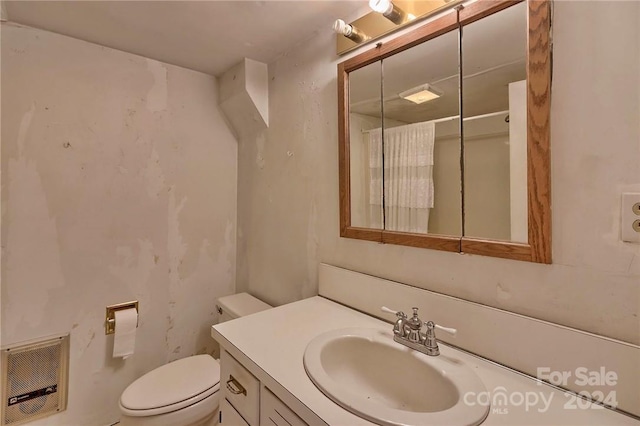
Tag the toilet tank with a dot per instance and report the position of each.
(239, 305)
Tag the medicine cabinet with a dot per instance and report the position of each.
(444, 134)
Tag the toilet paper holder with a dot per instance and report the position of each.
(110, 322)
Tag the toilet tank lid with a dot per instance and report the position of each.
(172, 383)
(241, 304)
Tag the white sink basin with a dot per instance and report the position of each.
(367, 373)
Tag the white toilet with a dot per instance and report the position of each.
(184, 392)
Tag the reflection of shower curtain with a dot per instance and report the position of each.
(408, 177)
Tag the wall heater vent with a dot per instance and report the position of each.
(34, 380)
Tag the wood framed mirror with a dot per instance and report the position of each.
(467, 170)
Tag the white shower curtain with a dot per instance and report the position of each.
(408, 177)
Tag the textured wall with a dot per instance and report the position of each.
(118, 183)
(288, 187)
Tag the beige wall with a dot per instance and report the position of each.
(118, 183)
(288, 204)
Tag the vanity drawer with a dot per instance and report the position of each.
(275, 412)
(229, 416)
(240, 388)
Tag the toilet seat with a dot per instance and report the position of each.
(172, 387)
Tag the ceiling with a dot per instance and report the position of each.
(207, 36)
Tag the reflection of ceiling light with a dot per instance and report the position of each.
(390, 11)
(349, 31)
(421, 94)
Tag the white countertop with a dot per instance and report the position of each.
(271, 346)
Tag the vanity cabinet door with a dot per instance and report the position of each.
(240, 387)
(229, 416)
(275, 412)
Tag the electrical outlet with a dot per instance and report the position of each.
(630, 217)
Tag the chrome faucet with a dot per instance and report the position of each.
(406, 331)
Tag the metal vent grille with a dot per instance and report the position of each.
(34, 380)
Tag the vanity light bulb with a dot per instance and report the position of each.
(342, 27)
(349, 31)
(381, 6)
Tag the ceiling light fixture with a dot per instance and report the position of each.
(349, 31)
(420, 94)
(390, 11)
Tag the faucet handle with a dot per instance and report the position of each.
(399, 314)
(389, 311)
(449, 330)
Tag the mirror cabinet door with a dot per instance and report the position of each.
(365, 121)
(422, 178)
(494, 64)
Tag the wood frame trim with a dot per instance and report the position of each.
(363, 233)
(432, 241)
(483, 8)
(431, 29)
(538, 248)
(539, 130)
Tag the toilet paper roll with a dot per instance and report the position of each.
(124, 340)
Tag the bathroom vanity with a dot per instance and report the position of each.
(263, 378)
(245, 397)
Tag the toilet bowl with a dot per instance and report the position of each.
(185, 392)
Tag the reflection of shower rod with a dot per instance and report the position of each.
(453, 117)
(483, 72)
(475, 117)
